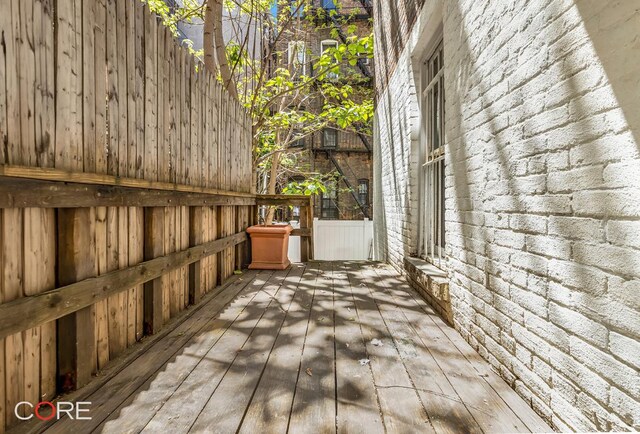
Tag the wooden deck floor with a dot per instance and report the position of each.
(325, 347)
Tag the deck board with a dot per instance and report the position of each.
(357, 399)
(314, 408)
(281, 351)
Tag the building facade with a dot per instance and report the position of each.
(348, 154)
(507, 189)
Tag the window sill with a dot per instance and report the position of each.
(432, 283)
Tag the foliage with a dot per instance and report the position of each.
(289, 100)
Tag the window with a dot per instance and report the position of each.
(297, 139)
(329, 138)
(329, 201)
(432, 208)
(363, 192)
(328, 4)
(295, 211)
(298, 57)
(325, 45)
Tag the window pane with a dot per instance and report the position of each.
(432, 224)
(329, 201)
(330, 138)
(363, 191)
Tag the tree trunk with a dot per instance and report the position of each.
(215, 57)
(273, 178)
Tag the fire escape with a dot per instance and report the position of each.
(366, 72)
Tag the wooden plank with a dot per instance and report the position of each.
(102, 307)
(161, 157)
(113, 107)
(231, 228)
(27, 81)
(292, 200)
(77, 355)
(114, 302)
(164, 279)
(120, 318)
(45, 85)
(270, 406)
(301, 232)
(39, 342)
(185, 135)
(46, 174)
(140, 102)
(171, 104)
(401, 407)
(190, 398)
(121, 89)
(184, 218)
(21, 193)
(135, 311)
(206, 270)
(12, 149)
(226, 407)
(151, 103)
(62, 301)
(196, 287)
(89, 85)
(177, 298)
(357, 397)
(304, 244)
(314, 406)
(132, 133)
(136, 372)
(240, 225)
(209, 135)
(215, 126)
(68, 147)
(101, 92)
(195, 126)
(5, 30)
(12, 287)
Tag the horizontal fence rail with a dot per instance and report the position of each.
(28, 312)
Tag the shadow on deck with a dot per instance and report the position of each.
(320, 347)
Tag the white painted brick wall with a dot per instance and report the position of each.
(542, 197)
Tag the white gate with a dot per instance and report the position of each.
(343, 239)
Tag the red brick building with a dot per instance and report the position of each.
(331, 150)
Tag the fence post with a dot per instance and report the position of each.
(77, 353)
(304, 240)
(153, 248)
(310, 221)
(195, 238)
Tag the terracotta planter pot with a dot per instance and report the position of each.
(269, 247)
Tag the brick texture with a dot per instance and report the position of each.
(542, 192)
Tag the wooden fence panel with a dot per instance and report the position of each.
(99, 92)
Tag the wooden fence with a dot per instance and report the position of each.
(125, 188)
